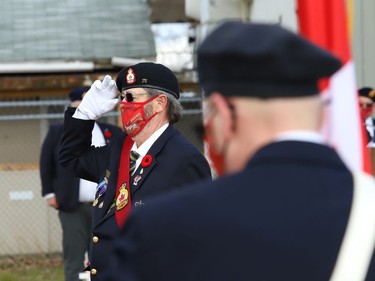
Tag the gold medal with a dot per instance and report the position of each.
(101, 205)
(122, 198)
(95, 202)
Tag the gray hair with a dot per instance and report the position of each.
(174, 107)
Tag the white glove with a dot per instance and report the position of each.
(100, 99)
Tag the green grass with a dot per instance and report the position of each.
(32, 268)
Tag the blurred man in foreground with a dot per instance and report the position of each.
(281, 211)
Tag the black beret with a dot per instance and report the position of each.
(148, 75)
(367, 92)
(261, 60)
(77, 93)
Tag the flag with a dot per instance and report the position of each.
(325, 23)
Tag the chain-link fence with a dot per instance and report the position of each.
(28, 225)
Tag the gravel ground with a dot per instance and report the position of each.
(30, 261)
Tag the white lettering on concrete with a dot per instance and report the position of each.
(21, 195)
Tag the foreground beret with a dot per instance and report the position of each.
(261, 60)
(77, 93)
(148, 75)
(367, 92)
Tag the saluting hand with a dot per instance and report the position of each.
(100, 99)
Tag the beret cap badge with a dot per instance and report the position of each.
(372, 94)
(130, 77)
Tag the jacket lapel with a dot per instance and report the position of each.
(141, 173)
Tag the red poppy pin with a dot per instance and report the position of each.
(107, 133)
(146, 161)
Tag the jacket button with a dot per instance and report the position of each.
(93, 271)
(95, 239)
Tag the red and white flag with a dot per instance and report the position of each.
(325, 23)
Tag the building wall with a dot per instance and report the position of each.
(275, 11)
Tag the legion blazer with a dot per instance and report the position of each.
(55, 178)
(175, 163)
(282, 218)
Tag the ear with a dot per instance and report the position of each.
(161, 103)
(218, 121)
(224, 112)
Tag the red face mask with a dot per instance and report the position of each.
(133, 116)
(217, 159)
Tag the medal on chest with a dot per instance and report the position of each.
(122, 198)
(101, 189)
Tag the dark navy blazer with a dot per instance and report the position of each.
(55, 178)
(175, 162)
(282, 218)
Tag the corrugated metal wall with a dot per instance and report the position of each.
(74, 30)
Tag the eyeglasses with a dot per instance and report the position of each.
(129, 97)
(366, 104)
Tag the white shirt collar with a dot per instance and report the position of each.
(301, 135)
(369, 122)
(143, 149)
